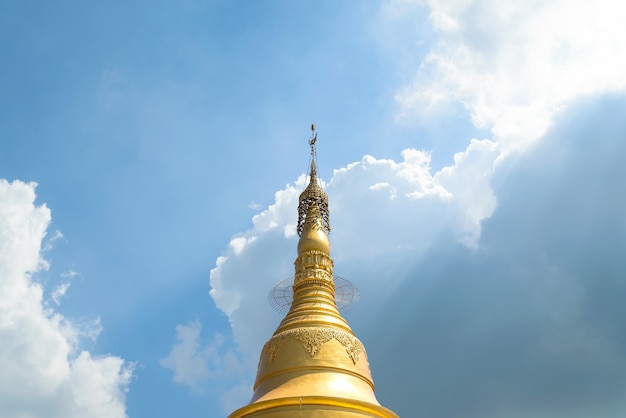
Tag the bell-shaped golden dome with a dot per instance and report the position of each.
(313, 237)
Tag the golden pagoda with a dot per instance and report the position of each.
(313, 366)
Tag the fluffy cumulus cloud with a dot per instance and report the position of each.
(362, 195)
(195, 361)
(44, 372)
(514, 65)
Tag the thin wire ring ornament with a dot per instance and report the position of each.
(281, 295)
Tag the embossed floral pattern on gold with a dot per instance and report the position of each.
(313, 338)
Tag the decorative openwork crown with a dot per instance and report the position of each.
(313, 196)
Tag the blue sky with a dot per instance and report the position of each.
(472, 153)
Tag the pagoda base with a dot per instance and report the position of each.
(312, 407)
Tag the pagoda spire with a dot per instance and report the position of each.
(313, 365)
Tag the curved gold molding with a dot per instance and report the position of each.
(313, 338)
(341, 370)
(368, 409)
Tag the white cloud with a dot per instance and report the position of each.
(238, 244)
(278, 214)
(70, 274)
(188, 361)
(196, 361)
(44, 371)
(530, 322)
(48, 243)
(514, 65)
(422, 206)
(385, 186)
(474, 198)
(59, 292)
(255, 206)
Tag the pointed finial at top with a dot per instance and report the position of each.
(313, 153)
(312, 141)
